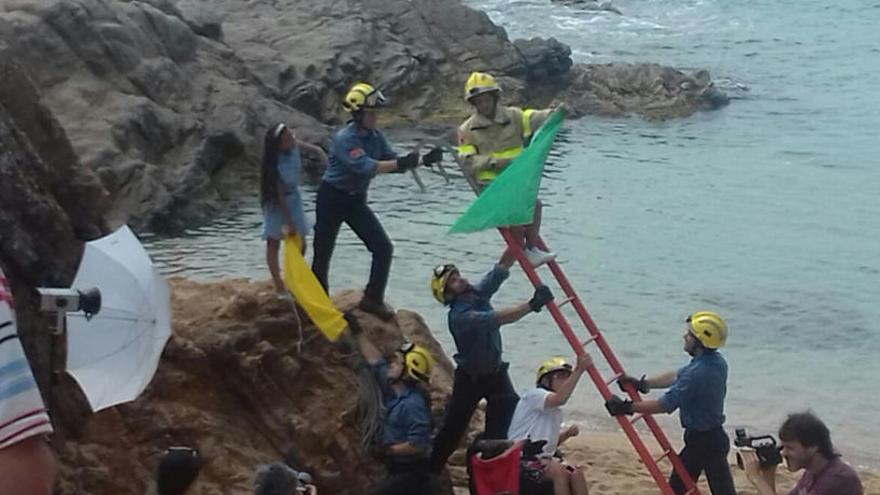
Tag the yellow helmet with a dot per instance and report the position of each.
(417, 361)
(709, 328)
(479, 83)
(438, 281)
(551, 365)
(363, 95)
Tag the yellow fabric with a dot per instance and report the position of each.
(502, 136)
(490, 175)
(307, 291)
(527, 123)
(467, 150)
(510, 153)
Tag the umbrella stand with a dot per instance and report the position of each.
(57, 363)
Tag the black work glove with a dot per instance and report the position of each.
(641, 384)
(408, 162)
(617, 406)
(541, 298)
(433, 156)
(532, 448)
(353, 325)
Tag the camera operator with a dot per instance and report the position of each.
(280, 479)
(806, 444)
(27, 464)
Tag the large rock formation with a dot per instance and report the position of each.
(159, 112)
(49, 204)
(653, 91)
(247, 381)
(166, 101)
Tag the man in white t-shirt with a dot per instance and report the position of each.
(538, 416)
(27, 464)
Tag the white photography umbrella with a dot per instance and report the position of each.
(114, 355)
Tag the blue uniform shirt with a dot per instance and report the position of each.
(474, 325)
(407, 416)
(354, 156)
(699, 392)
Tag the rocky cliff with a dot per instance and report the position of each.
(166, 101)
(49, 204)
(247, 381)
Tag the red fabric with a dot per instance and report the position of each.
(5, 292)
(499, 474)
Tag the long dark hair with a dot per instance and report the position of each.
(269, 172)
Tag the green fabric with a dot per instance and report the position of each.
(510, 199)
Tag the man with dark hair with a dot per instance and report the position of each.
(489, 141)
(481, 373)
(280, 479)
(538, 417)
(177, 471)
(358, 153)
(697, 390)
(806, 444)
(405, 443)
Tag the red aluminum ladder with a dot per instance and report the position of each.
(602, 384)
(596, 337)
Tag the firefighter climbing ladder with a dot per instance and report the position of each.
(602, 384)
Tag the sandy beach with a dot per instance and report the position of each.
(613, 468)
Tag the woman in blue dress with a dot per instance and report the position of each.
(280, 198)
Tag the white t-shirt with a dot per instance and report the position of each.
(22, 414)
(536, 422)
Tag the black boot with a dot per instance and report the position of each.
(375, 307)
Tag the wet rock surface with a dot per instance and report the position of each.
(167, 101)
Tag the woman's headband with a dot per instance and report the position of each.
(279, 129)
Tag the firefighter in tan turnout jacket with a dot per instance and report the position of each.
(490, 139)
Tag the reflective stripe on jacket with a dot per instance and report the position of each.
(484, 141)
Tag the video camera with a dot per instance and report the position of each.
(768, 452)
(303, 479)
(70, 300)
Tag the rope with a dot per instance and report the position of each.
(369, 406)
(369, 413)
(299, 329)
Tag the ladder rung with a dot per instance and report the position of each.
(565, 301)
(665, 455)
(613, 378)
(645, 455)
